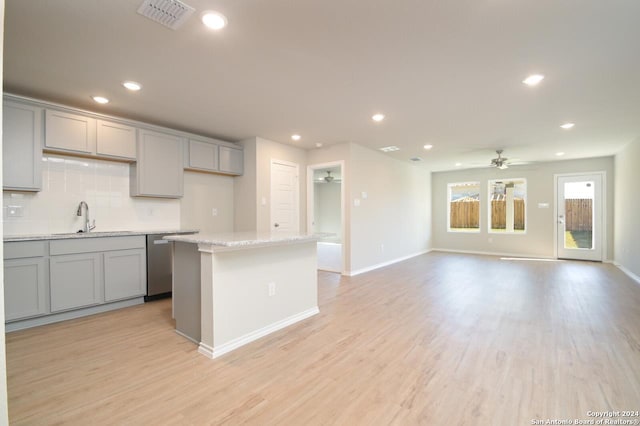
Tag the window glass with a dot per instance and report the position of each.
(507, 205)
(464, 207)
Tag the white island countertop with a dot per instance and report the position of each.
(239, 240)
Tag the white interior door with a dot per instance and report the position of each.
(580, 217)
(285, 208)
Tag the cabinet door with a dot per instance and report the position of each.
(203, 155)
(231, 160)
(21, 147)
(75, 281)
(69, 132)
(125, 274)
(115, 140)
(159, 170)
(25, 287)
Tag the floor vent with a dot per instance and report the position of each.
(170, 13)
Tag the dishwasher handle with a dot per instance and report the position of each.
(160, 241)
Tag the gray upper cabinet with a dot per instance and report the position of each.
(202, 155)
(22, 147)
(68, 132)
(231, 160)
(115, 140)
(159, 170)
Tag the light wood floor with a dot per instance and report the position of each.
(440, 339)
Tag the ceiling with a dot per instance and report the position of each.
(446, 73)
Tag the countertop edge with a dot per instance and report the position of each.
(83, 235)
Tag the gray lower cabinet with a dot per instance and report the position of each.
(61, 279)
(76, 281)
(125, 274)
(25, 288)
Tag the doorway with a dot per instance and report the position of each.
(325, 213)
(285, 207)
(580, 221)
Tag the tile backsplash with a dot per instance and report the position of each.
(104, 185)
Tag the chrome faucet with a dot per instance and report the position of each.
(87, 226)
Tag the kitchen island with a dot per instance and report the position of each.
(231, 289)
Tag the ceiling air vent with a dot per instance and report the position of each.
(415, 159)
(170, 13)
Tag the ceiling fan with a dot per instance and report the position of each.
(328, 178)
(500, 162)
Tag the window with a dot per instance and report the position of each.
(507, 206)
(464, 207)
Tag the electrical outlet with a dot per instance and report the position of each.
(15, 211)
(490, 240)
(381, 248)
(214, 212)
(272, 289)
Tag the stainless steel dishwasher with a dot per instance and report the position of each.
(159, 267)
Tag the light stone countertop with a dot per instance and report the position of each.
(238, 240)
(70, 235)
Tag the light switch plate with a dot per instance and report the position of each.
(364, 195)
(543, 205)
(356, 202)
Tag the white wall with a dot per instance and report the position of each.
(266, 151)
(4, 412)
(245, 200)
(539, 237)
(255, 186)
(327, 212)
(394, 221)
(627, 206)
(204, 192)
(104, 185)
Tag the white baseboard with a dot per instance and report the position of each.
(219, 350)
(492, 253)
(630, 274)
(383, 264)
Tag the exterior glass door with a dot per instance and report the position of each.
(579, 220)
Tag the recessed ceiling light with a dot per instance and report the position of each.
(132, 85)
(567, 125)
(296, 137)
(389, 148)
(428, 146)
(533, 79)
(458, 164)
(377, 117)
(560, 154)
(214, 20)
(100, 99)
(318, 144)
